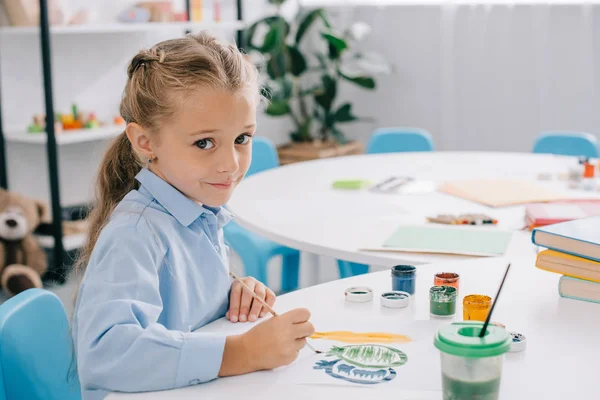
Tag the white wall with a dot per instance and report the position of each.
(482, 76)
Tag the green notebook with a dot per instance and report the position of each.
(468, 240)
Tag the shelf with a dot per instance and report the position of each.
(68, 136)
(123, 27)
(70, 243)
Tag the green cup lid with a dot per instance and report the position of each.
(462, 339)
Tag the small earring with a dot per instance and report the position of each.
(149, 161)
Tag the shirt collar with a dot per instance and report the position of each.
(185, 210)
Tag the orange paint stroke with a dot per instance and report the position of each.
(366, 337)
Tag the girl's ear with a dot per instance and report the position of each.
(140, 140)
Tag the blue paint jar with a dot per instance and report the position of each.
(403, 278)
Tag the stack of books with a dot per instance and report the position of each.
(542, 214)
(573, 250)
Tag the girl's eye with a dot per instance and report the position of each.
(205, 144)
(242, 139)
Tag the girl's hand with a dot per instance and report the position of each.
(273, 343)
(242, 306)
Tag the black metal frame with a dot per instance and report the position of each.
(59, 270)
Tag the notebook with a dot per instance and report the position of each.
(579, 289)
(499, 193)
(580, 237)
(566, 264)
(541, 214)
(465, 240)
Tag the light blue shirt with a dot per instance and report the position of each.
(158, 272)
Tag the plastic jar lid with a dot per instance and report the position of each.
(395, 299)
(359, 294)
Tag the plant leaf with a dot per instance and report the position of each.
(270, 21)
(307, 21)
(336, 45)
(271, 40)
(297, 60)
(281, 88)
(344, 114)
(364, 81)
(325, 99)
(277, 2)
(338, 135)
(278, 108)
(277, 66)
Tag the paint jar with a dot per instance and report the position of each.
(403, 278)
(446, 279)
(471, 366)
(476, 307)
(442, 301)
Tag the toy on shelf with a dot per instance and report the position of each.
(39, 124)
(76, 120)
(135, 14)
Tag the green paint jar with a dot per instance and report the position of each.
(442, 301)
(471, 366)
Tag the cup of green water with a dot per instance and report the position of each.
(471, 366)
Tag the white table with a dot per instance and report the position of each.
(295, 205)
(562, 334)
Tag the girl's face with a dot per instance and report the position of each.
(206, 151)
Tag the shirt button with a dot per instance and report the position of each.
(194, 381)
(217, 248)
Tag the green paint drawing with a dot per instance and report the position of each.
(363, 363)
(370, 355)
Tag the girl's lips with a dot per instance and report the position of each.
(225, 185)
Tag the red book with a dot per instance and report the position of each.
(541, 214)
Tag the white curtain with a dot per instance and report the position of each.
(481, 76)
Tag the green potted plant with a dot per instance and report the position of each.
(303, 85)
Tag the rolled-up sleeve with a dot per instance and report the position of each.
(120, 344)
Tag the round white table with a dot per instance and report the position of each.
(295, 205)
(560, 360)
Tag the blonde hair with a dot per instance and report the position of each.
(158, 78)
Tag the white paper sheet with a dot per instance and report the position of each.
(420, 373)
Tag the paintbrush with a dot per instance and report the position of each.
(265, 305)
(487, 320)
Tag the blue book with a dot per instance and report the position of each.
(579, 289)
(580, 237)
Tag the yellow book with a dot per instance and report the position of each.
(566, 264)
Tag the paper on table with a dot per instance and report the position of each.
(441, 239)
(499, 193)
(421, 372)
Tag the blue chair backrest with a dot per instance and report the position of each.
(36, 348)
(396, 140)
(264, 155)
(567, 144)
(2, 390)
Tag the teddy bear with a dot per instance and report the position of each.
(22, 260)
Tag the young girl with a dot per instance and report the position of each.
(157, 267)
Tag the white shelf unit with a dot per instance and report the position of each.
(67, 136)
(70, 242)
(21, 136)
(123, 27)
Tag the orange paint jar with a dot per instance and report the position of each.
(446, 279)
(476, 307)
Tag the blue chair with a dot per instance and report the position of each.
(567, 144)
(36, 350)
(390, 140)
(254, 250)
(396, 140)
